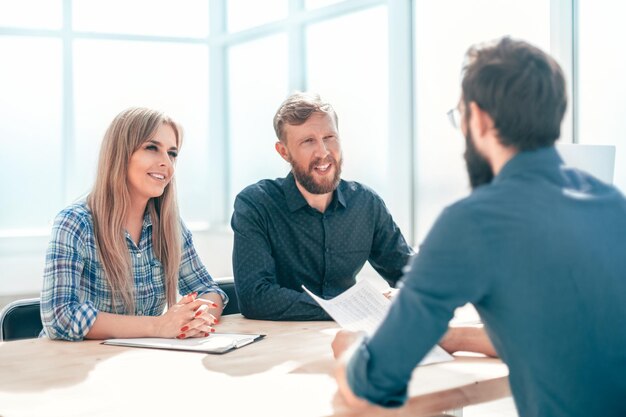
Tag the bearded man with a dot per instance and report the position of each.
(310, 228)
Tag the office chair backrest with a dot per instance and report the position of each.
(229, 289)
(20, 320)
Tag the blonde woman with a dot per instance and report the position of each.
(117, 258)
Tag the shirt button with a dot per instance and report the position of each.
(139, 255)
(140, 313)
(327, 250)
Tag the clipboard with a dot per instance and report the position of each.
(216, 343)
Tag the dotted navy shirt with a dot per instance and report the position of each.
(282, 243)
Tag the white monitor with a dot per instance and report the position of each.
(598, 160)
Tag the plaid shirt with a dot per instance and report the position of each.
(75, 288)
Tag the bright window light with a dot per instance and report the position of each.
(347, 64)
(188, 18)
(258, 74)
(20, 14)
(601, 83)
(30, 133)
(444, 32)
(246, 14)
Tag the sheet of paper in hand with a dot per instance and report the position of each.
(363, 308)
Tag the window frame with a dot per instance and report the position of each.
(401, 102)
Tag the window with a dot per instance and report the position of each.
(183, 18)
(601, 83)
(352, 77)
(391, 69)
(443, 34)
(30, 132)
(65, 76)
(278, 52)
(316, 4)
(19, 14)
(246, 14)
(258, 74)
(111, 75)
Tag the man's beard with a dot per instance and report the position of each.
(305, 177)
(478, 167)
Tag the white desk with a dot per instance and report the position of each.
(289, 373)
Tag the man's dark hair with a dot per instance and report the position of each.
(297, 109)
(521, 88)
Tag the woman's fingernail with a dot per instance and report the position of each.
(212, 329)
(184, 328)
(206, 334)
(181, 336)
(197, 313)
(215, 322)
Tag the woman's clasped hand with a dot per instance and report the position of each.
(189, 317)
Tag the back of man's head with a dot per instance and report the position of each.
(521, 88)
(296, 110)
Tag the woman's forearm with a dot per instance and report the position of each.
(109, 326)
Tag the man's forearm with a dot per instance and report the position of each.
(344, 346)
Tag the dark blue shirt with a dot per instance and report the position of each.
(541, 253)
(282, 243)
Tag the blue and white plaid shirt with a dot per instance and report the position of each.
(74, 285)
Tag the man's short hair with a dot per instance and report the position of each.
(521, 87)
(297, 109)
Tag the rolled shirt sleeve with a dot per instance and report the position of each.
(63, 314)
(193, 274)
(443, 276)
(358, 378)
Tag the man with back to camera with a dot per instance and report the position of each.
(537, 247)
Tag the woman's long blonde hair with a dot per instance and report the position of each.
(109, 202)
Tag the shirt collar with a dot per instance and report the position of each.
(295, 199)
(546, 160)
(147, 220)
(339, 193)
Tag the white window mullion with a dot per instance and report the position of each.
(401, 117)
(68, 191)
(297, 48)
(219, 155)
(563, 46)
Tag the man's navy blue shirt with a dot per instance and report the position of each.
(282, 243)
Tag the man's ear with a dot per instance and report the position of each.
(282, 150)
(480, 121)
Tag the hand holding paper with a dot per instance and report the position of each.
(363, 308)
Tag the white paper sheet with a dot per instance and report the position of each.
(362, 308)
